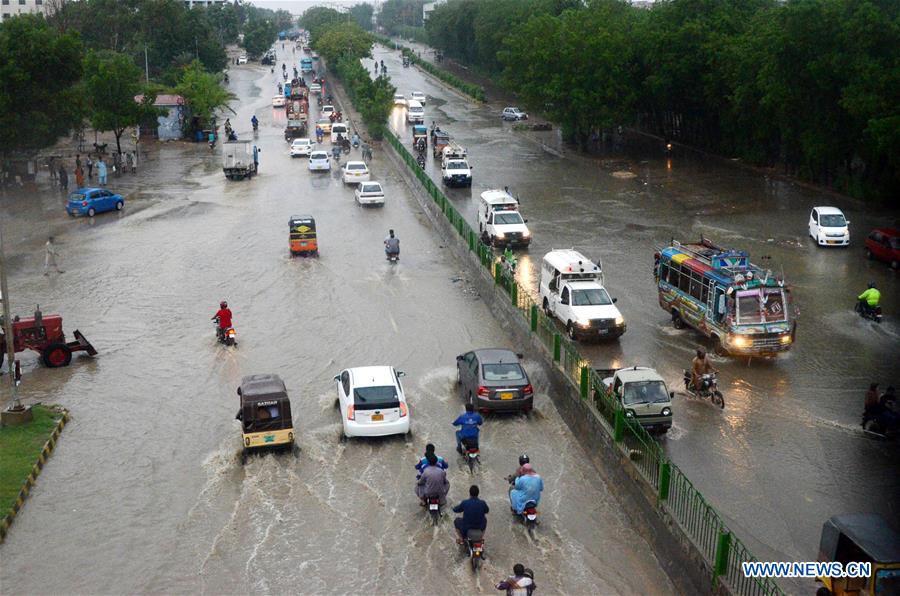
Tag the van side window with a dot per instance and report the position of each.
(345, 382)
(554, 281)
(664, 272)
(815, 216)
(565, 296)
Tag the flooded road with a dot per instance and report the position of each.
(146, 493)
(786, 453)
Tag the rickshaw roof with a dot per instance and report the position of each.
(444, 136)
(421, 129)
(870, 532)
(302, 219)
(258, 387)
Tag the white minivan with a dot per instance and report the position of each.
(499, 220)
(415, 113)
(829, 227)
(572, 290)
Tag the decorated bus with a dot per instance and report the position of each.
(746, 310)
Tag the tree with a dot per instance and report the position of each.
(347, 39)
(111, 82)
(258, 36)
(362, 14)
(395, 13)
(38, 68)
(202, 92)
(318, 20)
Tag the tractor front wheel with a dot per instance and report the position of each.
(56, 355)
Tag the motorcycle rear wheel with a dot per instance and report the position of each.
(718, 399)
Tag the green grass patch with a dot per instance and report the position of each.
(20, 447)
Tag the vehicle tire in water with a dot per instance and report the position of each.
(119, 205)
(719, 347)
(677, 321)
(56, 355)
(570, 330)
(719, 399)
(476, 563)
(546, 306)
(91, 212)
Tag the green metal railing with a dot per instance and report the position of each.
(676, 494)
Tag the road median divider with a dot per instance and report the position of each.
(474, 92)
(705, 554)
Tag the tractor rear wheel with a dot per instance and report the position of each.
(56, 355)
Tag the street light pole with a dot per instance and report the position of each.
(7, 329)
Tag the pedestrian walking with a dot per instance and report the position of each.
(50, 255)
(77, 160)
(255, 159)
(63, 178)
(128, 167)
(79, 177)
(51, 165)
(90, 167)
(101, 171)
(134, 162)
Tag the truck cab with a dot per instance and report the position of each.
(572, 290)
(643, 395)
(500, 222)
(455, 170)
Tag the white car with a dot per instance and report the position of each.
(829, 227)
(318, 162)
(278, 101)
(339, 128)
(301, 147)
(315, 88)
(327, 111)
(371, 402)
(417, 96)
(242, 59)
(415, 113)
(369, 193)
(355, 172)
(399, 100)
(510, 113)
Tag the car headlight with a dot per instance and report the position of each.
(740, 342)
(526, 234)
(620, 321)
(629, 413)
(583, 323)
(500, 235)
(667, 411)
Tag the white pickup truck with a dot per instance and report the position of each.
(456, 172)
(642, 393)
(499, 221)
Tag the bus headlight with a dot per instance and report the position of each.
(629, 413)
(740, 341)
(785, 339)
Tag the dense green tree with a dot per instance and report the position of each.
(397, 13)
(202, 92)
(258, 37)
(38, 69)
(318, 20)
(362, 15)
(111, 82)
(347, 39)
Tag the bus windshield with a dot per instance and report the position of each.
(761, 306)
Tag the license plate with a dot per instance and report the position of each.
(506, 395)
(603, 331)
(432, 506)
(303, 244)
(377, 417)
(531, 517)
(269, 438)
(473, 455)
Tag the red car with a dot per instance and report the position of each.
(884, 244)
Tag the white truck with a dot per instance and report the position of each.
(455, 169)
(237, 159)
(572, 290)
(499, 221)
(642, 392)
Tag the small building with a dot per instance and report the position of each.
(170, 125)
(12, 8)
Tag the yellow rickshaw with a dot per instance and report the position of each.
(265, 414)
(302, 235)
(860, 538)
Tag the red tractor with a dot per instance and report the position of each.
(44, 335)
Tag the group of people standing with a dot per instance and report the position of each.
(84, 169)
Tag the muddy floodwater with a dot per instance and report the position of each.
(146, 492)
(787, 452)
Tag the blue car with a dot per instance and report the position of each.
(89, 201)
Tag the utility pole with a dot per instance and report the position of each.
(146, 64)
(7, 330)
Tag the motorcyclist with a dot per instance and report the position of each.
(523, 459)
(474, 512)
(432, 482)
(224, 318)
(255, 122)
(280, 88)
(336, 153)
(527, 487)
(319, 134)
(391, 244)
(870, 299)
(423, 463)
(520, 583)
(355, 140)
(232, 136)
(700, 366)
(468, 421)
(227, 125)
(283, 67)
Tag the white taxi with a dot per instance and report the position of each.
(371, 402)
(355, 172)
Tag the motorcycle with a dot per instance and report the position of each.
(471, 455)
(355, 143)
(709, 388)
(225, 336)
(212, 144)
(434, 509)
(336, 155)
(255, 126)
(868, 312)
(345, 145)
(420, 159)
(884, 424)
(392, 257)
(529, 512)
(474, 545)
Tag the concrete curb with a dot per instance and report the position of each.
(49, 446)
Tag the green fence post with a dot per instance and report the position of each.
(557, 340)
(534, 318)
(498, 273)
(721, 564)
(471, 240)
(619, 426)
(585, 381)
(514, 294)
(665, 475)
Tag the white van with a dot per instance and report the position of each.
(499, 220)
(339, 128)
(415, 113)
(572, 291)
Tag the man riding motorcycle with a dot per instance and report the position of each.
(520, 583)
(468, 421)
(527, 487)
(870, 299)
(432, 482)
(700, 366)
(391, 244)
(423, 463)
(224, 316)
(474, 512)
(254, 122)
